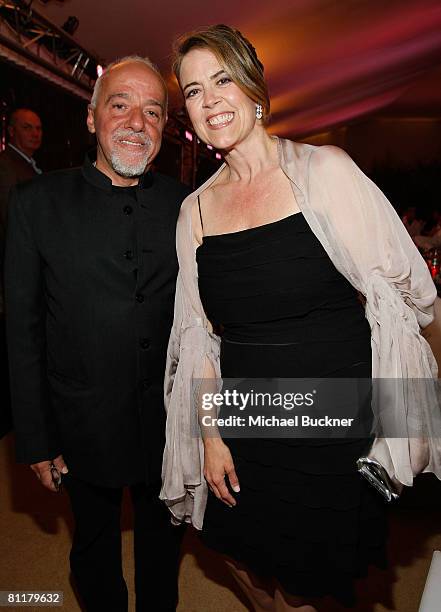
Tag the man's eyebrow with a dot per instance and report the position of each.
(214, 76)
(117, 95)
(126, 96)
(153, 102)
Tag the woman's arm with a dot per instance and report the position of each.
(369, 244)
(218, 462)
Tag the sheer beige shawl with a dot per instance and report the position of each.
(369, 245)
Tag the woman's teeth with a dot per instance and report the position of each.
(220, 119)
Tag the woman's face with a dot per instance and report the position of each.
(221, 113)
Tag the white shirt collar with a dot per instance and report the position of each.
(30, 160)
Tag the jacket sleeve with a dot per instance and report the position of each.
(35, 429)
(7, 181)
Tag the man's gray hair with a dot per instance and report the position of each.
(123, 60)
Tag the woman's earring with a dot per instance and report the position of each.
(259, 111)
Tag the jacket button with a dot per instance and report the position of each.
(128, 254)
(127, 210)
(139, 298)
(144, 343)
(145, 384)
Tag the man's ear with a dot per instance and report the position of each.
(11, 132)
(90, 119)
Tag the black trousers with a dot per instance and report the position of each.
(95, 557)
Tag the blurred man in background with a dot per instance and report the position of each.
(16, 165)
(16, 161)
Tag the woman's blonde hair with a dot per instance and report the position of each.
(235, 54)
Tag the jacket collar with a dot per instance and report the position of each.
(18, 153)
(103, 182)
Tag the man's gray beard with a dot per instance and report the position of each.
(126, 169)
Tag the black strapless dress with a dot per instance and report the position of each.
(304, 515)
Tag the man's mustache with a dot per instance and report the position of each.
(122, 134)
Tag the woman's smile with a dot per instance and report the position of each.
(220, 120)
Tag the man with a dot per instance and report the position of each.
(90, 280)
(16, 161)
(16, 165)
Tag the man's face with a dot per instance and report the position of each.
(25, 133)
(128, 121)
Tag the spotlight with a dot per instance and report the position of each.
(188, 135)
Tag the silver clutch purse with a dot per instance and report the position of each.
(377, 476)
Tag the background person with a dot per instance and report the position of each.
(16, 165)
(412, 220)
(16, 161)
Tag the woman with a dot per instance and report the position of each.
(274, 248)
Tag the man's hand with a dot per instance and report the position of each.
(218, 464)
(44, 471)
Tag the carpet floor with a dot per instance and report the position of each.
(35, 530)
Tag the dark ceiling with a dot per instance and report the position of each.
(327, 62)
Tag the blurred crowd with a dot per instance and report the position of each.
(424, 227)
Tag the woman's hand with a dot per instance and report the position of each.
(218, 464)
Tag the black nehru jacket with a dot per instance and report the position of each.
(90, 280)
